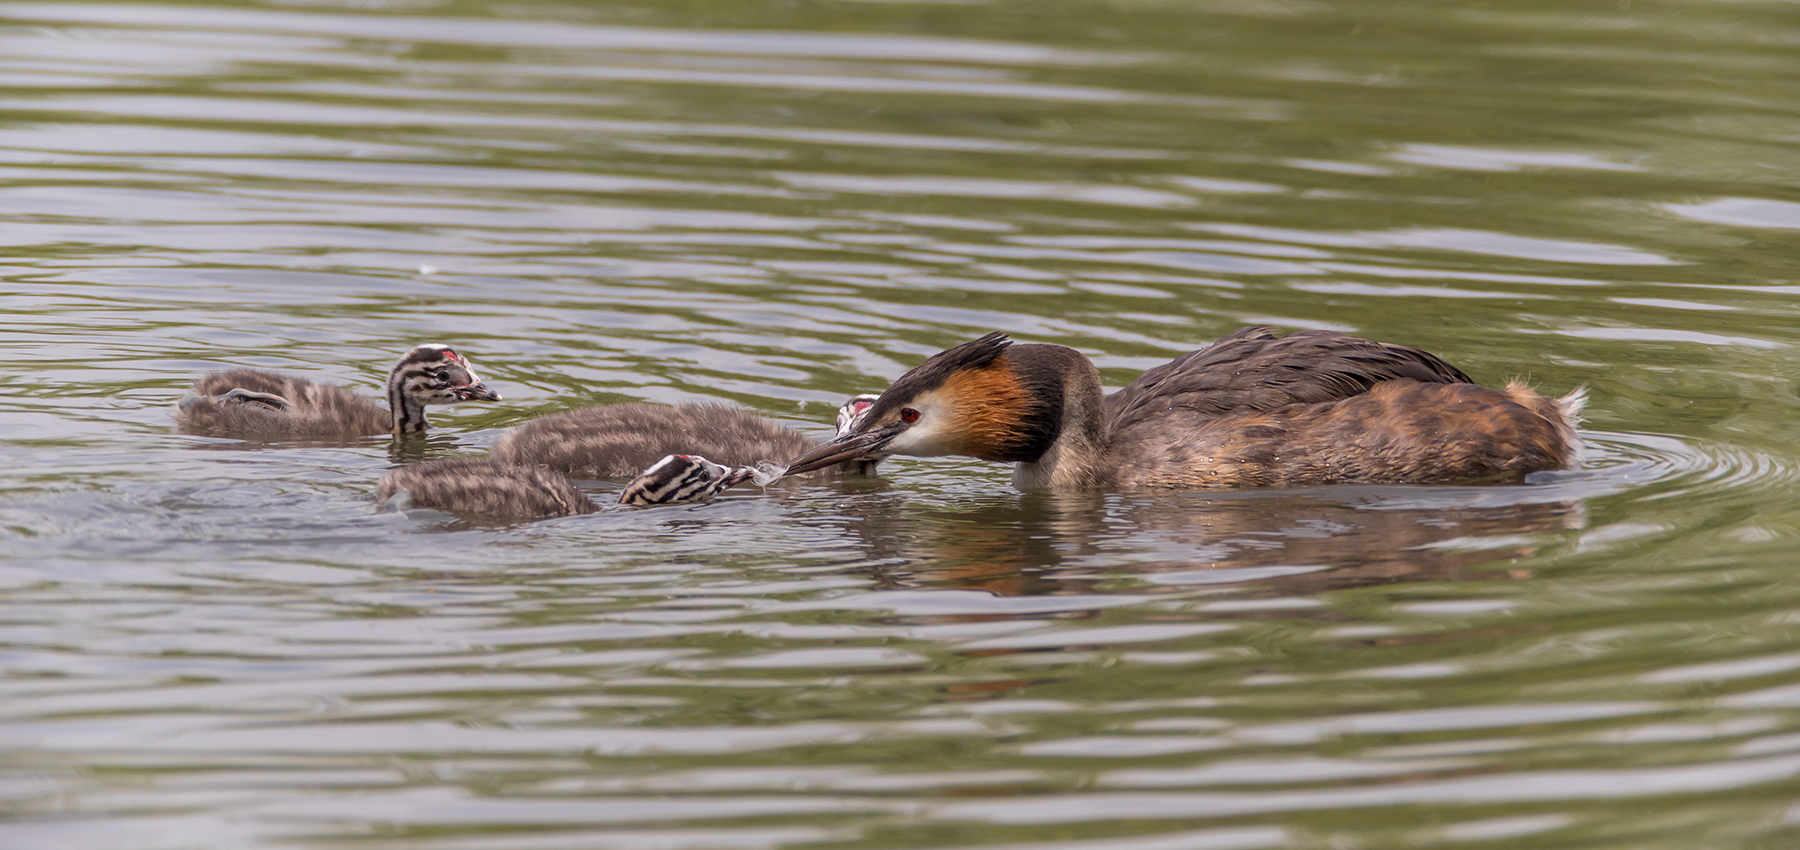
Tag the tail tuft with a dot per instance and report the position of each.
(1571, 405)
(1563, 414)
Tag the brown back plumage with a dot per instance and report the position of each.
(1321, 407)
(1252, 369)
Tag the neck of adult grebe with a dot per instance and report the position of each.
(1076, 458)
(409, 413)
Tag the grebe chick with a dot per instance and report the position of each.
(683, 478)
(495, 489)
(499, 488)
(484, 487)
(619, 440)
(270, 405)
(1252, 410)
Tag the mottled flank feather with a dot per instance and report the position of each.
(1397, 432)
(485, 488)
(621, 440)
(320, 411)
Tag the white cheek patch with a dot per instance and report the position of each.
(931, 436)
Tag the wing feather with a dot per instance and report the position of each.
(1251, 369)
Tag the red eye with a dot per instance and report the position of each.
(909, 415)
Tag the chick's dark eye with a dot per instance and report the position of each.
(909, 415)
(441, 374)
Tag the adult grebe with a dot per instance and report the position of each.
(1251, 410)
(257, 403)
(500, 487)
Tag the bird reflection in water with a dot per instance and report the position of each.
(1285, 543)
(1241, 547)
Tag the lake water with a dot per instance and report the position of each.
(213, 644)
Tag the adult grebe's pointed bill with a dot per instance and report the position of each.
(846, 447)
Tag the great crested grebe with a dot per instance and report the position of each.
(1251, 410)
(500, 487)
(616, 440)
(257, 403)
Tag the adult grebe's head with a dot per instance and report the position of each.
(987, 399)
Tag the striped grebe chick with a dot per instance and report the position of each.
(484, 487)
(685, 478)
(496, 489)
(502, 488)
(619, 440)
(270, 405)
(1251, 410)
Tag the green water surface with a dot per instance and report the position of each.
(213, 644)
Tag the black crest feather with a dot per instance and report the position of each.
(931, 374)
